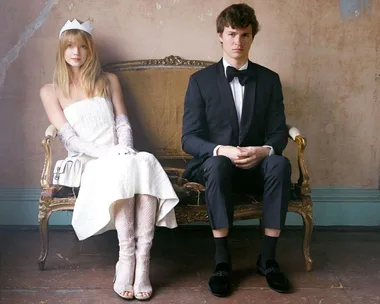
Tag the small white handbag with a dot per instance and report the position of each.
(68, 172)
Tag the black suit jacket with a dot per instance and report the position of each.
(210, 117)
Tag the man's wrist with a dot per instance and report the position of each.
(267, 150)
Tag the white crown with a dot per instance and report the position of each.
(75, 25)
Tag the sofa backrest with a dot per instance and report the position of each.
(154, 93)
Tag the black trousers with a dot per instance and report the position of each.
(221, 178)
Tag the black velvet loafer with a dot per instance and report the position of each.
(220, 280)
(276, 279)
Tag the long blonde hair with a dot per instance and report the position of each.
(94, 81)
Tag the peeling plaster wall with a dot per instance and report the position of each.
(327, 66)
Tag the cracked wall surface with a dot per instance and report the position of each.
(27, 33)
(327, 65)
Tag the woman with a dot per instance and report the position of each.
(120, 188)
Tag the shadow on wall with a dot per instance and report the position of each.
(110, 50)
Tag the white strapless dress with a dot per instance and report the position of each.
(107, 179)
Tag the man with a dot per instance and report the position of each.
(234, 126)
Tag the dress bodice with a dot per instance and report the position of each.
(93, 120)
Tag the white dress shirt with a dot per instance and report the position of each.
(238, 94)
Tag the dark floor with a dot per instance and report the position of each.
(346, 268)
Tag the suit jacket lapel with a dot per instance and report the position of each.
(248, 104)
(226, 96)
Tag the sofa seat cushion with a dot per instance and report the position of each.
(189, 193)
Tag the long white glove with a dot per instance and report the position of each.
(124, 135)
(73, 143)
(124, 131)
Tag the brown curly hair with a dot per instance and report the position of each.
(237, 16)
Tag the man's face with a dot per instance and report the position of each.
(236, 42)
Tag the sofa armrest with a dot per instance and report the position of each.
(50, 134)
(303, 180)
(51, 131)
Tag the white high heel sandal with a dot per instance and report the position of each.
(120, 288)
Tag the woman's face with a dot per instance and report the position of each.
(76, 52)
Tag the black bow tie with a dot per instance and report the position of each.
(243, 75)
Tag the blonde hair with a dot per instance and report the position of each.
(93, 80)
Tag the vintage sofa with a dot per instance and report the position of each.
(154, 94)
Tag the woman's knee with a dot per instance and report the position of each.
(146, 155)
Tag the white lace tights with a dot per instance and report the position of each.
(135, 222)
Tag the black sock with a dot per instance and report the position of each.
(269, 248)
(222, 254)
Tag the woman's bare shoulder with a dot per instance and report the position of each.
(111, 77)
(49, 96)
(48, 90)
